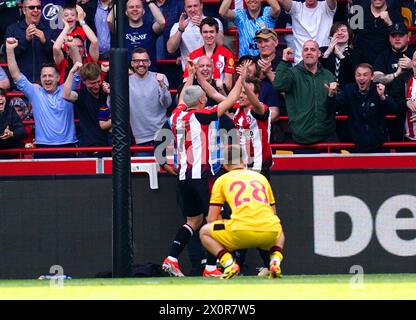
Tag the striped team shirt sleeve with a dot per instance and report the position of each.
(263, 116)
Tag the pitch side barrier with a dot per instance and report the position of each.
(340, 212)
(323, 146)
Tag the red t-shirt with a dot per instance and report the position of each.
(79, 32)
(222, 58)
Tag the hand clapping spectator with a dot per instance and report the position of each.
(186, 34)
(34, 38)
(12, 131)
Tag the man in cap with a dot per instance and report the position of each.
(267, 60)
(393, 61)
(249, 20)
(390, 64)
(372, 38)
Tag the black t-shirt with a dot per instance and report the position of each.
(386, 61)
(87, 108)
(374, 37)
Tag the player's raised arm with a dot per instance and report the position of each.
(189, 80)
(231, 99)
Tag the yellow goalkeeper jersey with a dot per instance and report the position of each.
(250, 197)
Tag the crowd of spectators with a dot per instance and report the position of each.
(328, 66)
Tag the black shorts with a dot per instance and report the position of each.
(193, 197)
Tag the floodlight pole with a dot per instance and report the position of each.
(122, 235)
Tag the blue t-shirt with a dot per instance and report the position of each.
(143, 37)
(54, 116)
(3, 74)
(247, 27)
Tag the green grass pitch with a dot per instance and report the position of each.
(328, 287)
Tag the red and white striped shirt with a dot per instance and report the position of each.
(222, 58)
(193, 141)
(410, 127)
(254, 132)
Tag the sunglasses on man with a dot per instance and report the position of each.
(33, 7)
(265, 31)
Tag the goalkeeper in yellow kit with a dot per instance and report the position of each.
(253, 222)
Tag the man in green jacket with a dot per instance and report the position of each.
(306, 95)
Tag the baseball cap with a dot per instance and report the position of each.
(265, 33)
(19, 103)
(398, 27)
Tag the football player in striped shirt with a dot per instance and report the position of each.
(190, 123)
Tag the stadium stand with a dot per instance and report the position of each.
(231, 33)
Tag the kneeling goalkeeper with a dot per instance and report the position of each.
(253, 222)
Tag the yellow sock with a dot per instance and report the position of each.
(226, 260)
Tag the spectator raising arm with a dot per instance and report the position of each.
(175, 39)
(225, 10)
(160, 21)
(332, 4)
(287, 4)
(165, 98)
(68, 93)
(111, 19)
(106, 123)
(284, 78)
(275, 8)
(58, 55)
(11, 44)
(94, 47)
(73, 50)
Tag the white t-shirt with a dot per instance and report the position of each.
(191, 39)
(310, 23)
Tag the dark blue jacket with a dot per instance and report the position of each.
(366, 112)
(10, 118)
(30, 55)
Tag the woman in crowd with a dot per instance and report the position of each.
(341, 59)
